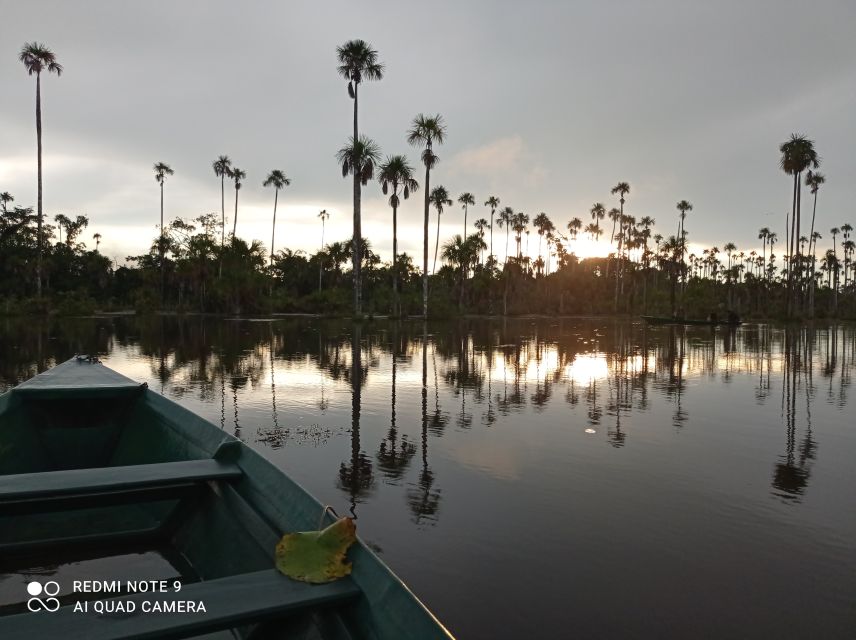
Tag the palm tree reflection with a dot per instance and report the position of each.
(393, 457)
(356, 476)
(422, 498)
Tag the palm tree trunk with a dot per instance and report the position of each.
(358, 230)
(425, 246)
(813, 257)
(222, 222)
(39, 201)
(436, 244)
(273, 231)
(321, 261)
(465, 222)
(791, 247)
(491, 232)
(395, 304)
(235, 221)
(160, 243)
(357, 257)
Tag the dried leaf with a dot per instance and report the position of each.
(317, 556)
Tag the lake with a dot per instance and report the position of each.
(587, 478)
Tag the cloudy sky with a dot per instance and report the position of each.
(548, 105)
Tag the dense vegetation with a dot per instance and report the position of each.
(194, 266)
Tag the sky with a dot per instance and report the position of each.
(548, 106)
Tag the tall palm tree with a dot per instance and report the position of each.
(358, 63)
(323, 215)
(763, 235)
(423, 133)
(798, 154)
(481, 224)
(598, 213)
(813, 180)
(439, 198)
(37, 58)
(358, 158)
(622, 189)
(162, 170)
(97, 238)
(506, 219)
(396, 175)
(466, 199)
(543, 224)
(237, 175)
(683, 207)
(493, 203)
(278, 180)
(222, 169)
(5, 199)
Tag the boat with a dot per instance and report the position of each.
(686, 321)
(107, 483)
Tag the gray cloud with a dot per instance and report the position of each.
(548, 105)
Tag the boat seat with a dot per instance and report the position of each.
(229, 602)
(75, 488)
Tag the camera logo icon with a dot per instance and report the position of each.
(47, 603)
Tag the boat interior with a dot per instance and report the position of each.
(113, 482)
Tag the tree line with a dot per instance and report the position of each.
(193, 265)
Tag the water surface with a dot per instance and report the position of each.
(551, 478)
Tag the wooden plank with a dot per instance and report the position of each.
(26, 486)
(169, 492)
(229, 602)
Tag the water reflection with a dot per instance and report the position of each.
(472, 373)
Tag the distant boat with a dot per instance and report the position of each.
(94, 465)
(710, 323)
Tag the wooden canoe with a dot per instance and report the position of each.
(95, 466)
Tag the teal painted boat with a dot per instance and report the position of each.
(101, 477)
(684, 321)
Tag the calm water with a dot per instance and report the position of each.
(551, 478)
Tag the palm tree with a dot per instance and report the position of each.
(506, 218)
(277, 180)
(543, 224)
(237, 175)
(323, 215)
(798, 154)
(598, 213)
(5, 199)
(424, 132)
(222, 169)
(62, 222)
(622, 189)
(162, 170)
(493, 203)
(439, 198)
(358, 62)
(97, 238)
(38, 58)
(396, 174)
(466, 199)
(683, 206)
(358, 158)
(814, 180)
(481, 224)
(763, 235)
(462, 253)
(519, 222)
